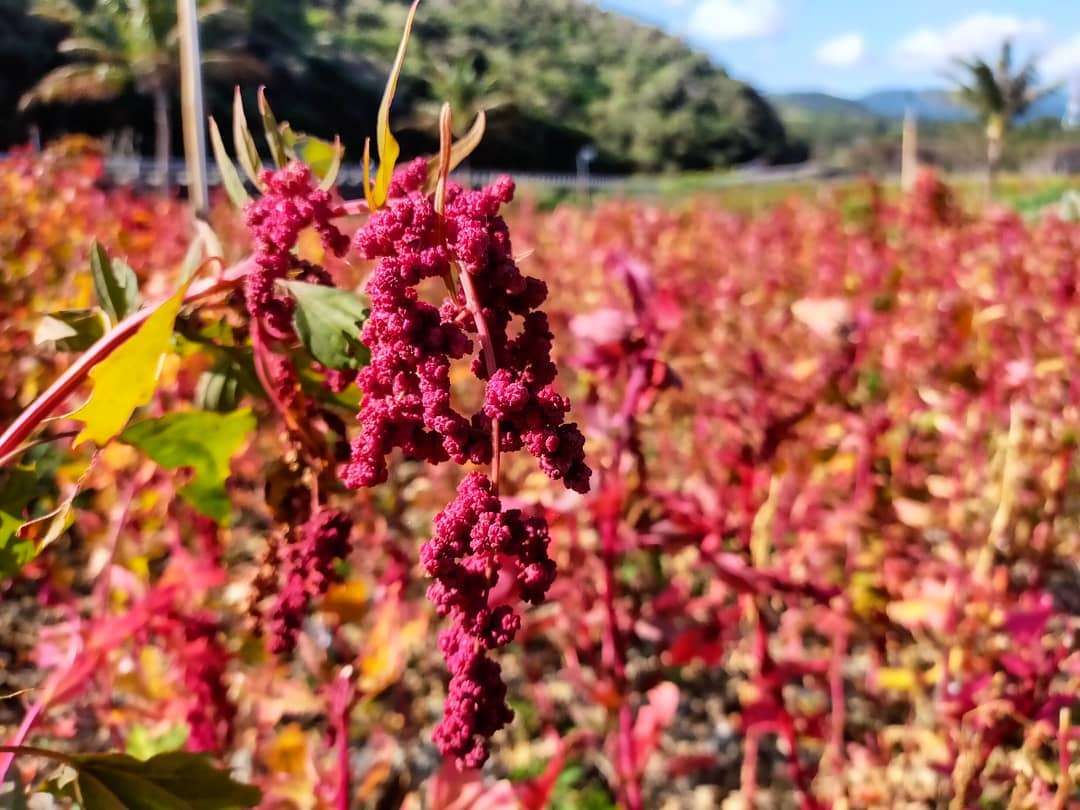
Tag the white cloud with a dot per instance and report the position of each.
(728, 20)
(844, 51)
(1062, 61)
(978, 34)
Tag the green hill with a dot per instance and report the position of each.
(556, 75)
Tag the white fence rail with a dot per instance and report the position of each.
(138, 171)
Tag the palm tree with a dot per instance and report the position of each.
(462, 78)
(998, 95)
(122, 44)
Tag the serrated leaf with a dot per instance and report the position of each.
(328, 321)
(459, 152)
(171, 781)
(72, 330)
(272, 131)
(388, 147)
(202, 441)
(246, 152)
(115, 284)
(230, 178)
(127, 378)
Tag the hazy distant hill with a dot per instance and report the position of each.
(931, 105)
(814, 103)
(928, 104)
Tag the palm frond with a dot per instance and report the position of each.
(62, 11)
(89, 49)
(79, 82)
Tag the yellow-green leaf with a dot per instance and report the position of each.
(272, 131)
(458, 152)
(127, 378)
(115, 284)
(388, 147)
(332, 168)
(230, 178)
(246, 152)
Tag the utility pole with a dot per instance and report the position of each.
(191, 107)
(585, 156)
(1072, 111)
(909, 151)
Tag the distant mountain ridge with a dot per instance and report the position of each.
(930, 104)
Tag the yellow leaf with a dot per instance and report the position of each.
(288, 753)
(387, 648)
(153, 674)
(310, 248)
(127, 378)
(347, 600)
(384, 139)
(897, 678)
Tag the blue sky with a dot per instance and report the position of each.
(852, 46)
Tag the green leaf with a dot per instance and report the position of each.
(127, 378)
(72, 330)
(272, 131)
(246, 152)
(230, 178)
(141, 744)
(218, 389)
(115, 284)
(170, 781)
(201, 440)
(18, 486)
(328, 321)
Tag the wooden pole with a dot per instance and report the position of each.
(191, 106)
(909, 151)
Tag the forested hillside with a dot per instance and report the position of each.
(554, 74)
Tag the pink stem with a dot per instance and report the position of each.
(31, 717)
(55, 395)
(342, 744)
(748, 774)
(627, 756)
(614, 651)
(488, 348)
(836, 696)
(342, 694)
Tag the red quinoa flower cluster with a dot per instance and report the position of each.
(407, 385)
(476, 545)
(309, 569)
(475, 542)
(211, 713)
(291, 203)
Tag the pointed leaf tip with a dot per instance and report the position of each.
(230, 178)
(389, 149)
